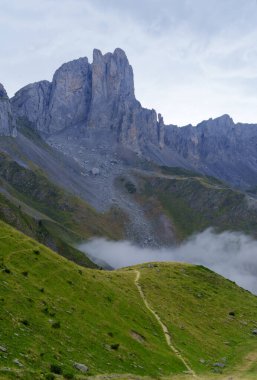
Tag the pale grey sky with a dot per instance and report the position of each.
(192, 59)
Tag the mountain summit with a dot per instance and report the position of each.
(7, 122)
(85, 96)
(96, 101)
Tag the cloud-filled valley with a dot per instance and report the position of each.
(232, 255)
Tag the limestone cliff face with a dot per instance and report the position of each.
(99, 97)
(112, 89)
(7, 122)
(218, 147)
(90, 96)
(31, 103)
(70, 96)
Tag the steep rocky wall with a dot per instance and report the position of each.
(85, 96)
(7, 121)
(98, 99)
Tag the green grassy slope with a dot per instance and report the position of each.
(53, 312)
(41, 228)
(194, 203)
(40, 209)
(211, 319)
(35, 189)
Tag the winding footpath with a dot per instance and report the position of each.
(163, 326)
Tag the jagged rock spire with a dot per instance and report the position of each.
(90, 96)
(7, 121)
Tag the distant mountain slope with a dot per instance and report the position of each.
(42, 210)
(194, 203)
(217, 147)
(54, 314)
(132, 198)
(72, 140)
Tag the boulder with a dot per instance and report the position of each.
(219, 365)
(95, 171)
(17, 362)
(81, 367)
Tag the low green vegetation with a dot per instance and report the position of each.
(40, 209)
(41, 228)
(211, 319)
(35, 189)
(176, 171)
(196, 203)
(54, 314)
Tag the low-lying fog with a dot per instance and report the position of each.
(233, 255)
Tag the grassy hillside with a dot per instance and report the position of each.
(211, 319)
(194, 203)
(35, 189)
(54, 313)
(40, 209)
(41, 228)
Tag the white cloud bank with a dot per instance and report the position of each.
(233, 255)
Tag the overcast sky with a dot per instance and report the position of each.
(192, 59)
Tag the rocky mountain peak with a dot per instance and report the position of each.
(221, 121)
(70, 96)
(97, 55)
(225, 118)
(7, 122)
(224, 121)
(31, 102)
(112, 75)
(3, 93)
(96, 102)
(81, 95)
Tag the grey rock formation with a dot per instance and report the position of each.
(112, 79)
(220, 365)
(53, 107)
(81, 367)
(17, 362)
(95, 171)
(7, 121)
(97, 101)
(89, 97)
(31, 104)
(217, 147)
(70, 96)
(112, 88)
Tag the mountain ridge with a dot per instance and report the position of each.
(86, 132)
(97, 101)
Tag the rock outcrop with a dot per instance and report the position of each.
(98, 101)
(7, 121)
(218, 147)
(97, 96)
(70, 96)
(31, 103)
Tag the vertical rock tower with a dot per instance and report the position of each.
(97, 96)
(7, 122)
